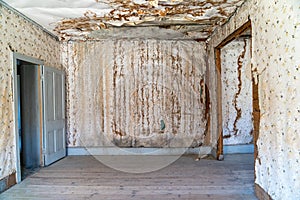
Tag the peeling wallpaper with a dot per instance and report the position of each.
(161, 13)
(20, 36)
(236, 92)
(276, 67)
(81, 19)
(136, 93)
(159, 88)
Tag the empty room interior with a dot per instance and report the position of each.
(150, 99)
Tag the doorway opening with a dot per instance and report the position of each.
(238, 102)
(39, 97)
(28, 115)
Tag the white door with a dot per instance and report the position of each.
(54, 142)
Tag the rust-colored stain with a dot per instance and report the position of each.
(136, 93)
(207, 108)
(226, 136)
(236, 96)
(239, 79)
(159, 13)
(275, 49)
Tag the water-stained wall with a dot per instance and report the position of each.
(276, 68)
(136, 93)
(18, 35)
(236, 92)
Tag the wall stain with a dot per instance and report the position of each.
(239, 78)
(144, 82)
(274, 57)
(236, 97)
(207, 109)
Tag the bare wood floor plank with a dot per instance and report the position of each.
(84, 177)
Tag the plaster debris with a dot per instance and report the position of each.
(76, 20)
(150, 13)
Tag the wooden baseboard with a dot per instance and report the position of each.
(7, 182)
(242, 148)
(74, 151)
(261, 193)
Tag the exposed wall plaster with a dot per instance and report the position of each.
(275, 63)
(136, 93)
(18, 35)
(236, 92)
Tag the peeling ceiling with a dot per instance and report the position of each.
(98, 19)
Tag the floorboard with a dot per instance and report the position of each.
(84, 177)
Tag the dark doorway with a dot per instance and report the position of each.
(29, 121)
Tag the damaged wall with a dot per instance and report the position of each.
(18, 35)
(136, 93)
(236, 92)
(276, 66)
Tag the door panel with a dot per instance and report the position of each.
(58, 97)
(54, 118)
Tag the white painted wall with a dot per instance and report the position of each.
(236, 92)
(276, 65)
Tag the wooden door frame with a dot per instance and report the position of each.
(15, 57)
(237, 33)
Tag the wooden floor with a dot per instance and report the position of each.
(84, 177)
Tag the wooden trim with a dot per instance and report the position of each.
(218, 48)
(17, 56)
(14, 58)
(208, 135)
(261, 193)
(41, 113)
(7, 182)
(235, 34)
(207, 115)
(219, 104)
(77, 151)
(256, 116)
